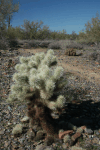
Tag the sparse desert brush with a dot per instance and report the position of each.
(94, 56)
(54, 45)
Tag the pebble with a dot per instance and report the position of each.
(17, 129)
(40, 147)
(2, 132)
(21, 140)
(9, 108)
(76, 148)
(96, 132)
(90, 136)
(25, 119)
(88, 131)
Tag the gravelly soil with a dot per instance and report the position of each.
(83, 102)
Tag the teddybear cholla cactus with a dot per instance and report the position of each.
(70, 52)
(39, 85)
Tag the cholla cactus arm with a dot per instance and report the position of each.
(60, 101)
(57, 104)
(22, 68)
(49, 59)
(60, 84)
(58, 73)
(24, 59)
(32, 64)
(21, 79)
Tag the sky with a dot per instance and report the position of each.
(70, 15)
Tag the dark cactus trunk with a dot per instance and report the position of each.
(41, 114)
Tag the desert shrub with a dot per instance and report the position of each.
(4, 44)
(26, 45)
(44, 44)
(34, 43)
(10, 33)
(74, 45)
(20, 43)
(54, 45)
(13, 43)
(94, 56)
(87, 41)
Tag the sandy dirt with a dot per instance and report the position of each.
(74, 66)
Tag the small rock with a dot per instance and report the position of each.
(76, 136)
(22, 140)
(17, 129)
(9, 123)
(40, 135)
(7, 143)
(80, 130)
(49, 140)
(77, 148)
(40, 147)
(9, 108)
(88, 131)
(64, 146)
(95, 140)
(49, 148)
(67, 139)
(25, 119)
(31, 134)
(1, 119)
(96, 132)
(2, 132)
(90, 136)
(62, 134)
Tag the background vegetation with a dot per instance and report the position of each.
(36, 31)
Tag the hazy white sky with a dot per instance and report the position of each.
(71, 15)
